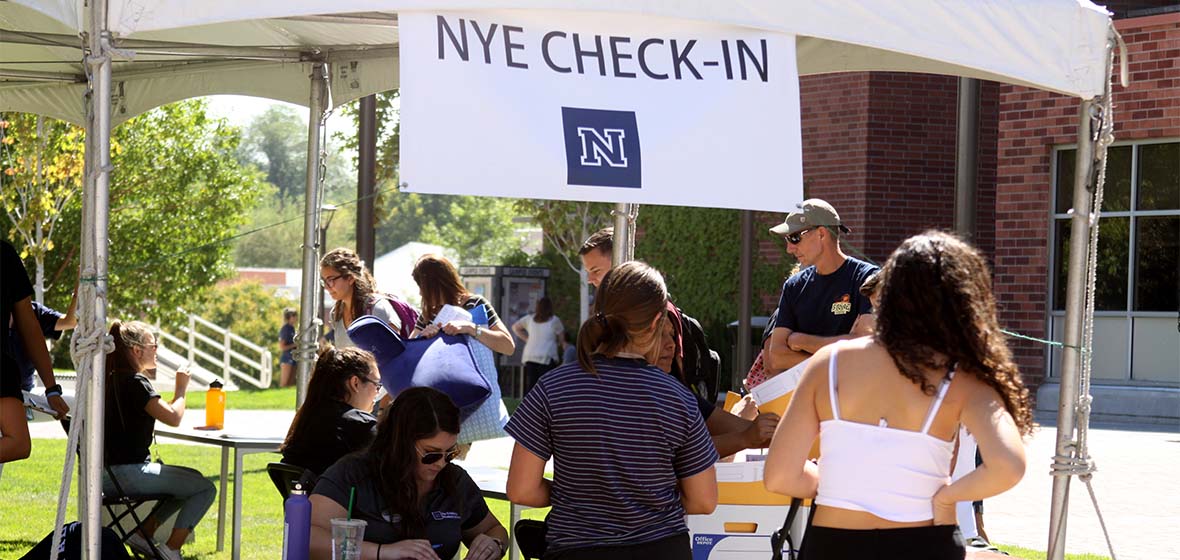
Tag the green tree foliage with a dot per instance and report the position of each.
(41, 170)
(273, 234)
(249, 310)
(699, 251)
(276, 142)
(177, 197)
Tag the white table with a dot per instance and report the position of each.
(241, 445)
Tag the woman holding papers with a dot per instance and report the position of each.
(416, 503)
(888, 407)
(631, 455)
(335, 418)
(439, 284)
(132, 408)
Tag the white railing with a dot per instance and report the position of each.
(252, 364)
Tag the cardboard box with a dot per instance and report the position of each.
(740, 532)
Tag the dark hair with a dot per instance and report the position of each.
(937, 311)
(417, 413)
(439, 284)
(329, 382)
(127, 335)
(544, 310)
(348, 263)
(628, 300)
(870, 284)
(602, 240)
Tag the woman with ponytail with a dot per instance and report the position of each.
(631, 455)
(132, 408)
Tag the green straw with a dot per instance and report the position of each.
(351, 497)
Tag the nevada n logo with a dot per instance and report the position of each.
(601, 148)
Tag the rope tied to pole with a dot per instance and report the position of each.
(307, 352)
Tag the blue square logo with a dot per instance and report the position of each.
(601, 148)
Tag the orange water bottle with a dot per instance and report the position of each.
(215, 406)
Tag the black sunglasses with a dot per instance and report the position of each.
(795, 238)
(433, 457)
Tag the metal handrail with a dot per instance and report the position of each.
(256, 359)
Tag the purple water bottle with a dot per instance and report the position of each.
(296, 524)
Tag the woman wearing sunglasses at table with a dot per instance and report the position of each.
(335, 418)
(631, 455)
(416, 503)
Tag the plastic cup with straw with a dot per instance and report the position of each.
(348, 533)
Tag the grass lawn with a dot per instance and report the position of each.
(28, 498)
(1029, 554)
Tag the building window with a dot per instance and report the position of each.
(1137, 297)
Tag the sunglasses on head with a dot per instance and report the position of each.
(795, 238)
(433, 457)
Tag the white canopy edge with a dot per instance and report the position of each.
(1056, 45)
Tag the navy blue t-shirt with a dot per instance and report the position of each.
(825, 305)
(620, 441)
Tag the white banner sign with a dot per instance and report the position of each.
(577, 106)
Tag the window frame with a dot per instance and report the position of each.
(1052, 357)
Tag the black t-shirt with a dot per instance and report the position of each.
(327, 434)
(468, 304)
(446, 515)
(825, 305)
(14, 288)
(128, 434)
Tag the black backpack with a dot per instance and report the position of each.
(702, 365)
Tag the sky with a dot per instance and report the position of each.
(239, 110)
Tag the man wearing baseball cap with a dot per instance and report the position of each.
(822, 303)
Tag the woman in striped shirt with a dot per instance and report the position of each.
(631, 455)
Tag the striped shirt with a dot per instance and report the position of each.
(619, 442)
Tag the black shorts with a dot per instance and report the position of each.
(938, 542)
(10, 384)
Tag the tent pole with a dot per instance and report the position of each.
(743, 352)
(624, 243)
(1071, 357)
(366, 180)
(96, 213)
(966, 158)
(309, 332)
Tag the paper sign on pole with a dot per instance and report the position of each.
(599, 107)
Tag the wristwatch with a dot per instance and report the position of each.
(53, 390)
(478, 331)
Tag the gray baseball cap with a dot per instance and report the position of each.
(812, 212)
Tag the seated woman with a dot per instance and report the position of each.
(889, 406)
(416, 503)
(334, 419)
(630, 452)
(132, 408)
(439, 284)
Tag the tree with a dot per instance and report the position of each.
(276, 142)
(41, 170)
(249, 310)
(566, 225)
(178, 195)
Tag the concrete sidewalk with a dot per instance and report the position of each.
(1137, 483)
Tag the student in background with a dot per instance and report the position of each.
(343, 274)
(542, 333)
(286, 345)
(439, 284)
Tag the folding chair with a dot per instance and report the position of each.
(130, 503)
(530, 538)
(285, 475)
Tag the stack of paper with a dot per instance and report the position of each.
(773, 394)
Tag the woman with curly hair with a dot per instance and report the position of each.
(343, 274)
(888, 408)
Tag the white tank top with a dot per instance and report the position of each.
(888, 472)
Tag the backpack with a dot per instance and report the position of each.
(702, 365)
(405, 312)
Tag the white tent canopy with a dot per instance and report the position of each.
(262, 48)
(147, 53)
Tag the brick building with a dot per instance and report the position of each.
(881, 148)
